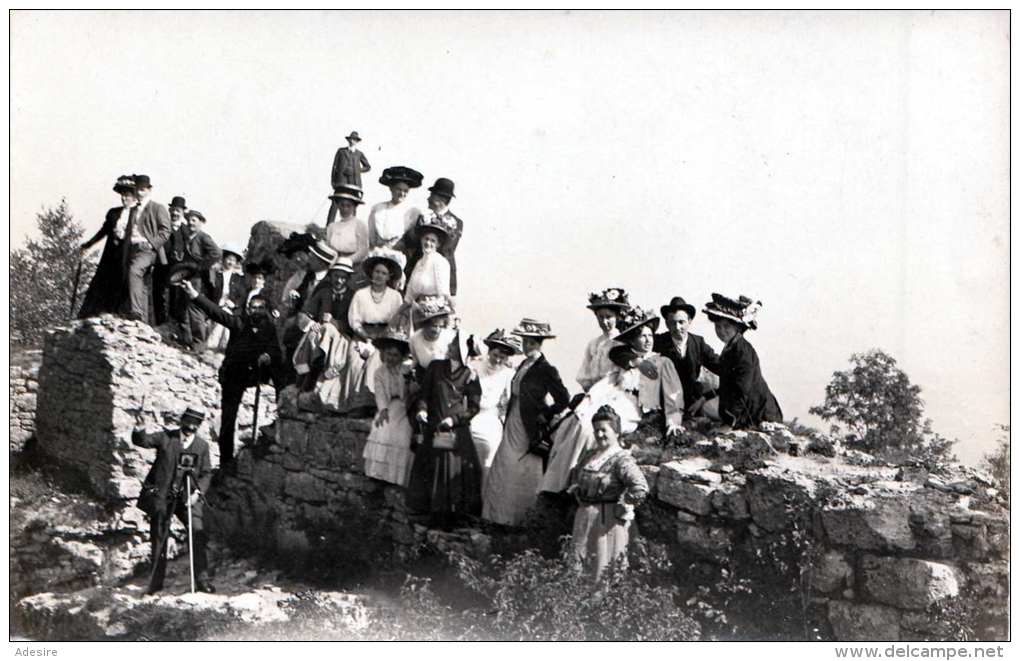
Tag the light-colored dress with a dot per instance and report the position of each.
(430, 277)
(328, 339)
(388, 453)
(664, 393)
(368, 319)
(607, 487)
(387, 222)
(424, 351)
(487, 425)
(573, 436)
(349, 238)
(595, 363)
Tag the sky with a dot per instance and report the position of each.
(848, 169)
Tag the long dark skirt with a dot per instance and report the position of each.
(446, 482)
(108, 291)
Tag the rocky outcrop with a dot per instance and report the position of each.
(266, 237)
(23, 390)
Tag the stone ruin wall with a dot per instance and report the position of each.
(23, 388)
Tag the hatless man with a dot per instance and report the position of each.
(688, 352)
(151, 231)
(181, 473)
(348, 164)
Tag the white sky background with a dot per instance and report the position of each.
(848, 169)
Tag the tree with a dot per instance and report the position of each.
(997, 461)
(875, 408)
(42, 275)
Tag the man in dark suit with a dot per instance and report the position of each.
(440, 196)
(228, 283)
(151, 231)
(688, 352)
(181, 473)
(202, 252)
(162, 294)
(252, 357)
(348, 164)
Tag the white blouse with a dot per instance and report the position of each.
(364, 309)
(595, 363)
(424, 352)
(387, 222)
(349, 238)
(431, 276)
(495, 382)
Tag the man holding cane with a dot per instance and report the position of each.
(174, 486)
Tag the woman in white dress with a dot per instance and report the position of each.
(387, 454)
(387, 221)
(432, 341)
(494, 374)
(431, 275)
(607, 308)
(349, 235)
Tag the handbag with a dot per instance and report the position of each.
(444, 440)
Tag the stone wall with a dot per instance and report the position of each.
(24, 385)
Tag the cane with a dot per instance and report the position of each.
(191, 555)
(74, 290)
(255, 415)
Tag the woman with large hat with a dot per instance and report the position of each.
(511, 487)
(432, 341)
(494, 373)
(438, 213)
(108, 290)
(349, 235)
(744, 399)
(607, 306)
(431, 273)
(388, 221)
(660, 391)
(388, 453)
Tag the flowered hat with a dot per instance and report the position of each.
(393, 260)
(124, 184)
(536, 329)
(741, 311)
(503, 340)
(431, 222)
(614, 298)
(393, 338)
(633, 319)
(430, 307)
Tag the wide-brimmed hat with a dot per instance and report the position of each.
(401, 173)
(677, 303)
(348, 192)
(614, 298)
(500, 339)
(354, 136)
(393, 338)
(343, 264)
(430, 307)
(621, 355)
(265, 267)
(182, 271)
(533, 328)
(194, 214)
(178, 203)
(124, 184)
(633, 320)
(233, 249)
(323, 251)
(194, 412)
(741, 311)
(142, 181)
(443, 186)
(432, 222)
(297, 241)
(393, 260)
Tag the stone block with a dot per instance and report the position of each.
(907, 582)
(831, 572)
(695, 498)
(776, 498)
(268, 478)
(730, 501)
(707, 542)
(651, 474)
(292, 435)
(306, 487)
(863, 622)
(870, 524)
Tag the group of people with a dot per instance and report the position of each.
(367, 326)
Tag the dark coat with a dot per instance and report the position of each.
(238, 293)
(412, 249)
(164, 477)
(540, 380)
(744, 398)
(153, 223)
(324, 300)
(108, 290)
(699, 354)
(348, 166)
(247, 342)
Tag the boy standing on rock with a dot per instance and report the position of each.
(182, 472)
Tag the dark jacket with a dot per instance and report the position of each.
(348, 166)
(164, 477)
(153, 223)
(238, 293)
(412, 248)
(540, 380)
(324, 300)
(247, 342)
(699, 354)
(744, 398)
(109, 287)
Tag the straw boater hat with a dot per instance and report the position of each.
(741, 311)
(498, 339)
(323, 251)
(613, 298)
(634, 319)
(348, 192)
(124, 184)
(393, 338)
(393, 260)
(401, 173)
(430, 307)
(233, 249)
(343, 264)
(535, 329)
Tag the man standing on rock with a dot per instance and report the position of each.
(182, 459)
(152, 224)
(348, 164)
(252, 357)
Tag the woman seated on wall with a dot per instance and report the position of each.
(608, 484)
(607, 307)
(744, 399)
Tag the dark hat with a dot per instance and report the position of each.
(741, 311)
(633, 320)
(182, 271)
(614, 297)
(502, 340)
(393, 338)
(399, 173)
(393, 260)
(296, 242)
(678, 303)
(348, 192)
(354, 136)
(194, 412)
(535, 329)
(142, 181)
(443, 186)
(194, 214)
(265, 267)
(124, 184)
(178, 202)
(622, 355)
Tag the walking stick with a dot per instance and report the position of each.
(255, 416)
(191, 554)
(74, 289)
